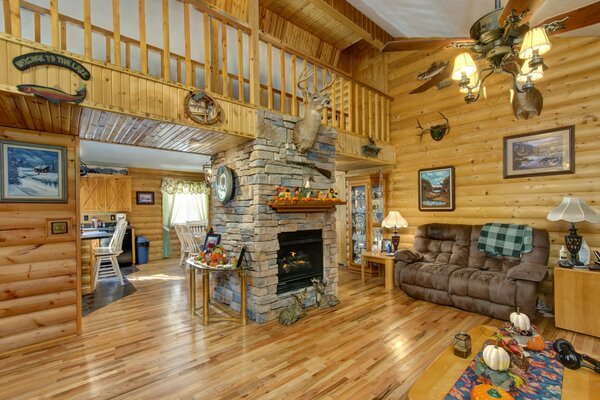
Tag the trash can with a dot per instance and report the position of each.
(142, 247)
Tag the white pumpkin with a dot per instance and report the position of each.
(496, 358)
(520, 321)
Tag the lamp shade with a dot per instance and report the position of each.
(394, 220)
(528, 73)
(573, 209)
(463, 64)
(535, 40)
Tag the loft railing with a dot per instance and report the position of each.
(194, 45)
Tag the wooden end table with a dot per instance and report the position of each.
(379, 258)
(440, 376)
(576, 303)
(204, 310)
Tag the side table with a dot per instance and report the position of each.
(576, 302)
(206, 302)
(379, 258)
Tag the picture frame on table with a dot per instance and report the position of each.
(436, 189)
(540, 153)
(384, 245)
(32, 173)
(144, 198)
(212, 238)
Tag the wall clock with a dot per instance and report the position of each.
(224, 184)
(202, 108)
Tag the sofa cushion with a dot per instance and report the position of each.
(428, 275)
(443, 243)
(479, 259)
(492, 286)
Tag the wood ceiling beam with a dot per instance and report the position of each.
(340, 17)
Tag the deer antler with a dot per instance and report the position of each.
(303, 79)
(329, 84)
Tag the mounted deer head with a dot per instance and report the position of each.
(305, 131)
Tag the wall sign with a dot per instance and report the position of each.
(26, 61)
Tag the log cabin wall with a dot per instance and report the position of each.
(147, 219)
(571, 90)
(39, 274)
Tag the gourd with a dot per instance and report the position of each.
(536, 343)
(489, 392)
(520, 320)
(496, 357)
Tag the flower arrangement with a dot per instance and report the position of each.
(214, 256)
(305, 194)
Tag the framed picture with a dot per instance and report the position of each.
(32, 173)
(384, 244)
(59, 227)
(144, 197)
(548, 152)
(212, 238)
(436, 189)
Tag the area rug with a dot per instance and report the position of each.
(545, 378)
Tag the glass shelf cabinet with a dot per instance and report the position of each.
(366, 211)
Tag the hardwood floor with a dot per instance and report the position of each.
(145, 346)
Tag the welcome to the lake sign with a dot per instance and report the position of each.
(26, 61)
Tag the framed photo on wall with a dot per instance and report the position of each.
(32, 173)
(436, 189)
(144, 197)
(548, 152)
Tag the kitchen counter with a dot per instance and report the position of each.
(89, 235)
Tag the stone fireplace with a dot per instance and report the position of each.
(259, 166)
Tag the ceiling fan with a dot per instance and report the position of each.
(497, 36)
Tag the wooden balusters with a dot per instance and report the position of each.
(270, 76)
(12, 17)
(253, 14)
(240, 51)
(207, 64)
(224, 60)
(294, 85)
(187, 43)
(116, 32)
(143, 45)
(282, 93)
(342, 105)
(37, 27)
(166, 56)
(54, 25)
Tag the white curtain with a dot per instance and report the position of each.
(190, 207)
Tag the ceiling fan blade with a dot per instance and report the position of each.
(432, 82)
(420, 43)
(519, 7)
(579, 18)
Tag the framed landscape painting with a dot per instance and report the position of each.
(436, 189)
(144, 198)
(548, 152)
(32, 173)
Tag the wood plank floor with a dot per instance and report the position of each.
(145, 346)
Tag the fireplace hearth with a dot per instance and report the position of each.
(299, 259)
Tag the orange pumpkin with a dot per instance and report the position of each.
(536, 343)
(489, 392)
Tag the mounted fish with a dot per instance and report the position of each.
(54, 96)
(435, 69)
(437, 132)
(305, 131)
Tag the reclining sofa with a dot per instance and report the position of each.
(446, 267)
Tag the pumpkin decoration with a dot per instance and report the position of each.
(489, 392)
(496, 357)
(536, 343)
(520, 321)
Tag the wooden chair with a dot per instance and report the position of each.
(189, 245)
(198, 230)
(106, 257)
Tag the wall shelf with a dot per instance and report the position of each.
(304, 206)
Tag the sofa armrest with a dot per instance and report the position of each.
(528, 272)
(408, 256)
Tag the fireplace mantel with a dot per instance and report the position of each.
(305, 206)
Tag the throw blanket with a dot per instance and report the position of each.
(505, 240)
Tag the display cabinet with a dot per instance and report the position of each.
(366, 210)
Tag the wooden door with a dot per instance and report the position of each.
(93, 193)
(118, 194)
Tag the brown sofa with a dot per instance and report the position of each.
(445, 267)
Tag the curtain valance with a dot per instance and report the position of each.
(180, 186)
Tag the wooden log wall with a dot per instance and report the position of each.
(147, 219)
(39, 274)
(571, 90)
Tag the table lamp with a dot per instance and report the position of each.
(573, 209)
(394, 221)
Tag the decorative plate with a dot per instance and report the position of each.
(224, 184)
(202, 108)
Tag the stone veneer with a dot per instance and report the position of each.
(260, 165)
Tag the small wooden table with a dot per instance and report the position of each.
(206, 302)
(576, 302)
(379, 258)
(440, 376)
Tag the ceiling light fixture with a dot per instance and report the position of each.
(502, 47)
